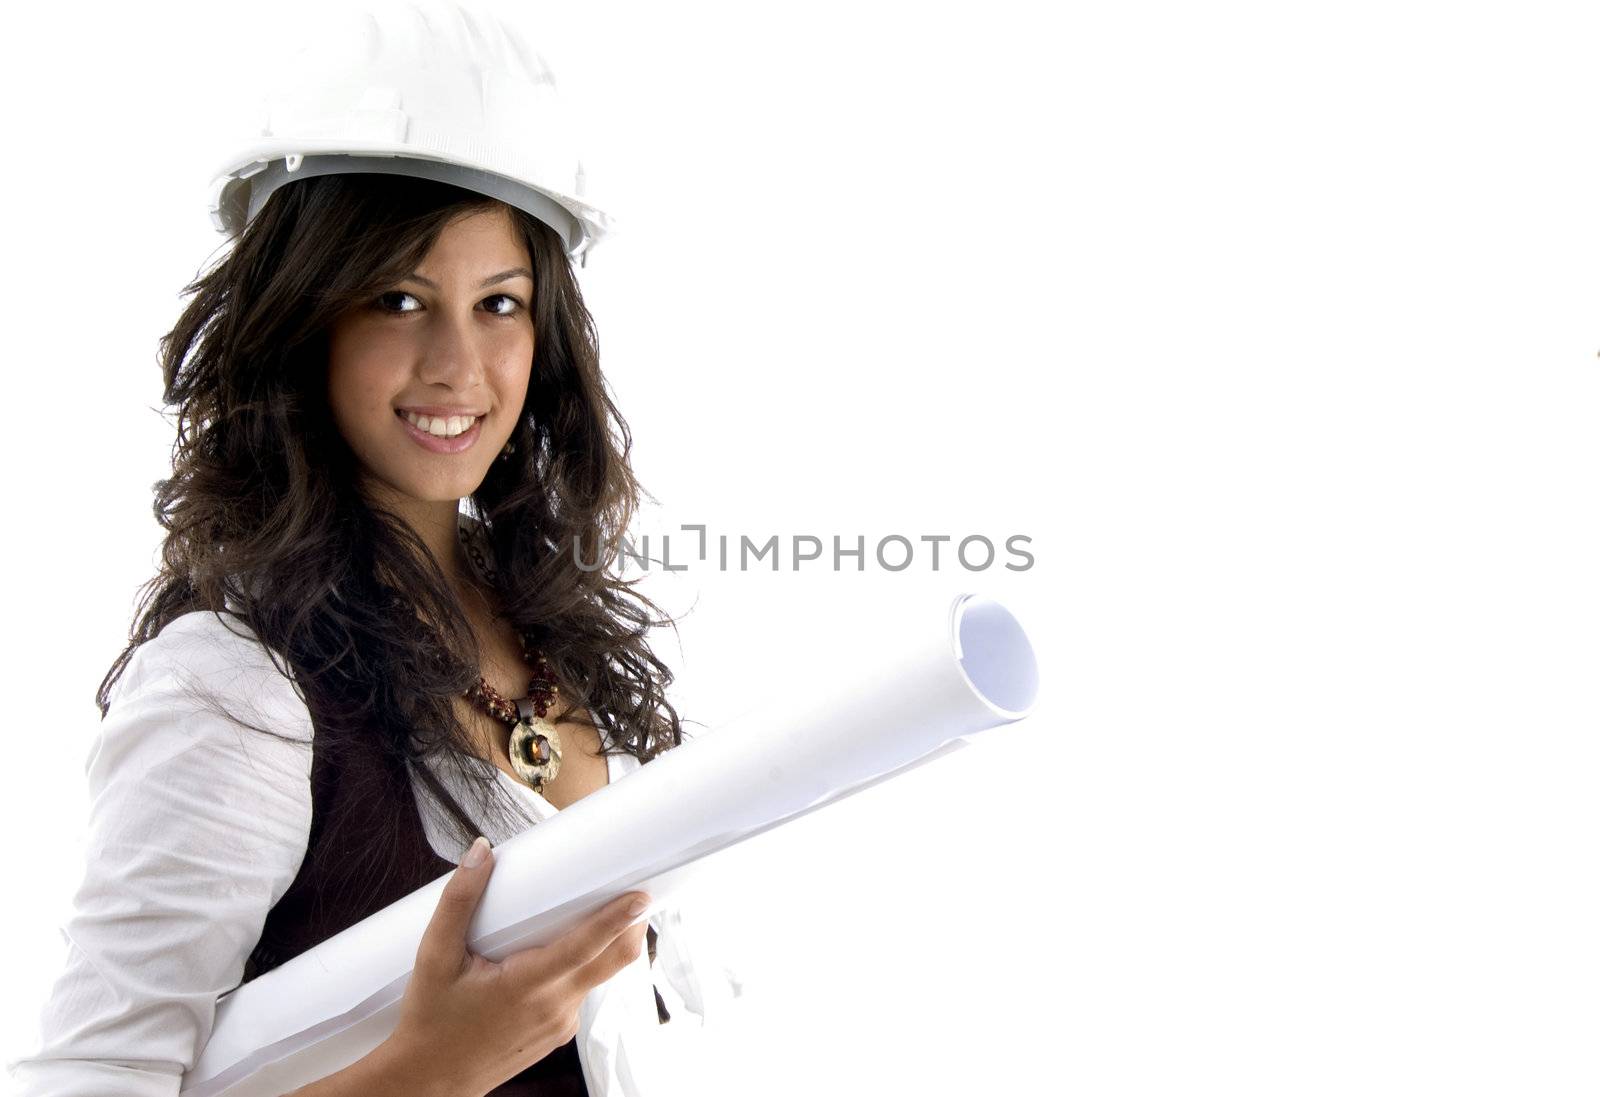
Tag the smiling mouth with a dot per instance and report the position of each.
(440, 426)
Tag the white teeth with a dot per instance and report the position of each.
(440, 426)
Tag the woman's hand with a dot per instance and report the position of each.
(468, 1023)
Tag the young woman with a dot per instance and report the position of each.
(377, 633)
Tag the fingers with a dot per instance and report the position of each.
(580, 945)
(587, 954)
(444, 942)
(592, 936)
(623, 950)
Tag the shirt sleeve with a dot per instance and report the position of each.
(197, 826)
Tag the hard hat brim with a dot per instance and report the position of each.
(229, 187)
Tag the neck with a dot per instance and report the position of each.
(435, 522)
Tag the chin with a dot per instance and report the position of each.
(433, 490)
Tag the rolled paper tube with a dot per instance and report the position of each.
(932, 683)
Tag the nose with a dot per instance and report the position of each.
(452, 355)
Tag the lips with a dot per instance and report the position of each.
(441, 443)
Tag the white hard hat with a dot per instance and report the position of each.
(438, 89)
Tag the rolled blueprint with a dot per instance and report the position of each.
(930, 683)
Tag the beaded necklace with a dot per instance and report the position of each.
(535, 748)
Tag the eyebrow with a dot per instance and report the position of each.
(489, 281)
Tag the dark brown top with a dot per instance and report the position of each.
(360, 803)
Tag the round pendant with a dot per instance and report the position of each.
(535, 747)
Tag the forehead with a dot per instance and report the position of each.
(487, 237)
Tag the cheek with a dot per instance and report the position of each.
(511, 382)
(358, 397)
(359, 370)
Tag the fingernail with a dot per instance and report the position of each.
(476, 852)
(636, 907)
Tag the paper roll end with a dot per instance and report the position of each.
(994, 655)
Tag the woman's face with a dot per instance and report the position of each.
(426, 381)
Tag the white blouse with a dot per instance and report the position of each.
(198, 826)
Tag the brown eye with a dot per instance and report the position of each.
(383, 297)
(516, 306)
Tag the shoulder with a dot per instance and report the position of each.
(206, 658)
(214, 645)
(205, 689)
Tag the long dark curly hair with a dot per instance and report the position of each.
(264, 521)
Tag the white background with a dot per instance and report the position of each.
(1273, 325)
